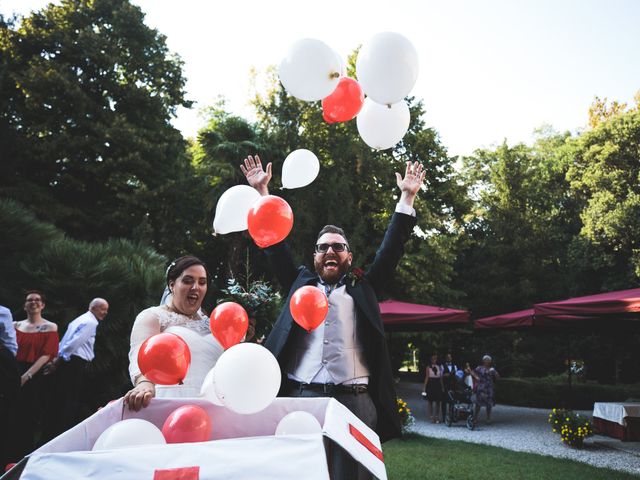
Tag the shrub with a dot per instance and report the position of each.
(541, 393)
(572, 427)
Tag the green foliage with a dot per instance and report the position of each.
(543, 393)
(422, 457)
(71, 273)
(258, 297)
(86, 95)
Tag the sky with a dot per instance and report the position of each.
(490, 70)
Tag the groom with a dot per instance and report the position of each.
(346, 356)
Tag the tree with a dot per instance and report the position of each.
(517, 238)
(86, 96)
(604, 169)
(72, 272)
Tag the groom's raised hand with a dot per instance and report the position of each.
(256, 176)
(411, 183)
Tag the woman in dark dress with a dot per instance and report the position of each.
(37, 344)
(433, 389)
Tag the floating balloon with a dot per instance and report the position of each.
(309, 307)
(310, 70)
(344, 103)
(164, 359)
(232, 208)
(208, 389)
(270, 220)
(129, 433)
(247, 378)
(383, 126)
(229, 323)
(387, 67)
(298, 423)
(187, 424)
(300, 168)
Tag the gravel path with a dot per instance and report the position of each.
(526, 430)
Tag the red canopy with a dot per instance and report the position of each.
(528, 318)
(402, 316)
(611, 303)
(593, 311)
(522, 318)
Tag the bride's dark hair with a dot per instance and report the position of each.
(179, 265)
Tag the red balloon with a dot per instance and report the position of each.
(270, 220)
(164, 359)
(186, 424)
(344, 103)
(309, 307)
(229, 323)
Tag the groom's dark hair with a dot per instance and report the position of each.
(332, 229)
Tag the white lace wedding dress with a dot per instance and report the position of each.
(205, 349)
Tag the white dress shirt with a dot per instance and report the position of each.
(79, 338)
(7, 331)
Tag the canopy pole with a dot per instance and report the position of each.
(569, 371)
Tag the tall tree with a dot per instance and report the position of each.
(87, 93)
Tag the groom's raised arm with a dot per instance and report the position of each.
(279, 255)
(399, 230)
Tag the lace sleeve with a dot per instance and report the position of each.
(147, 324)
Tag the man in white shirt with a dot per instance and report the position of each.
(9, 381)
(74, 354)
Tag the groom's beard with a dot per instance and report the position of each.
(327, 271)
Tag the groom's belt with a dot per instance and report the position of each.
(331, 388)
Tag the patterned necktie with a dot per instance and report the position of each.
(330, 287)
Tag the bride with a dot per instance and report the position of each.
(187, 279)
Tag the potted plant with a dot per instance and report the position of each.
(405, 415)
(572, 427)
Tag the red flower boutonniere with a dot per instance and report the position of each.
(355, 275)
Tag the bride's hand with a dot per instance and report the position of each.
(140, 395)
(256, 176)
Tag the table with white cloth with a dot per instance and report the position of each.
(619, 420)
(242, 447)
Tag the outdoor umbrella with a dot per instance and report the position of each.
(620, 305)
(412, 317)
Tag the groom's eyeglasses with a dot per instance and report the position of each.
(336, 247)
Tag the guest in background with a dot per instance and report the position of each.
(9, 381)
(449, 378)
(37, 344)
(76, 352)
(433, 389)
(485, 376)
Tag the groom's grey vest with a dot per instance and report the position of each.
(334, 344)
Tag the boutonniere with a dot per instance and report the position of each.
(354, 276)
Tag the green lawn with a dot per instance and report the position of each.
(417, 457)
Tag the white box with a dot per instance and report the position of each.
(241, 447)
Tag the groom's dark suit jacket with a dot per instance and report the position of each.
(369, 323)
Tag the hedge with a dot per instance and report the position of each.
(541, 393)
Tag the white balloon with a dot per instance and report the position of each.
(129, 433)
(383, 126)
(311, 70)
(208, 389)
(300, 168)
(247, 378)
(387, 67)
(233, 207)
(298, 423)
